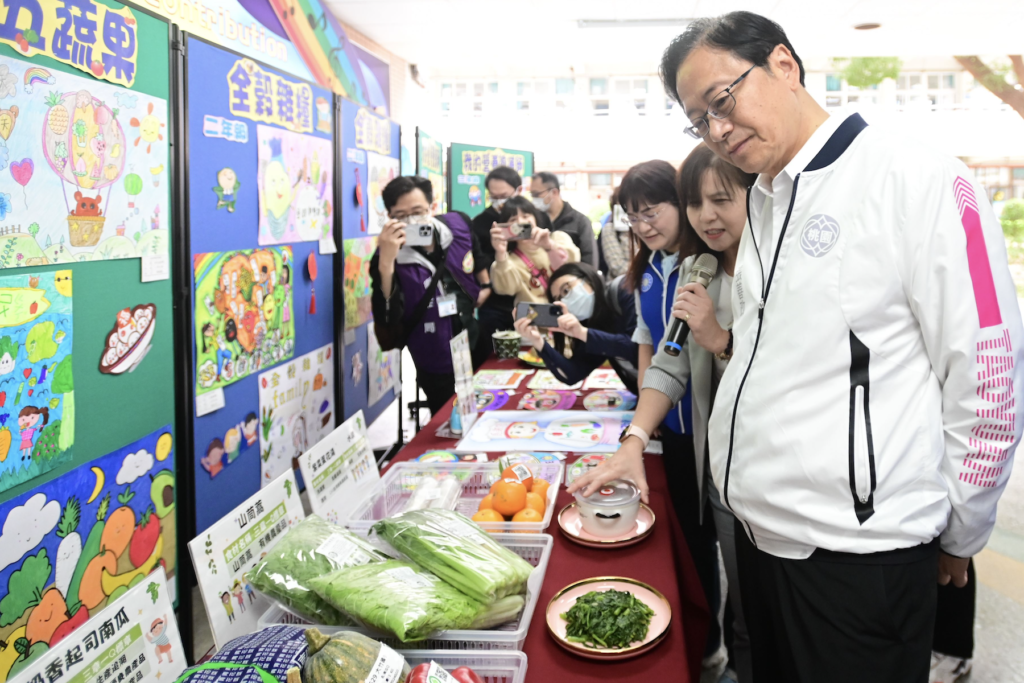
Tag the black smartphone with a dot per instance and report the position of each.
(541, 315)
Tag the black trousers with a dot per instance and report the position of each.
(681, 472)
(438, 387)
(954, 619)
(838, 618)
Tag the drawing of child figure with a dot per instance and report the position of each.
(158, 636)
(249, 429)
(286, 289)
(225, 598)
(250, 592)
(236, 590)
(581, 433)
(28, 418)
(214, 460)
(232, 440)
(512, 430)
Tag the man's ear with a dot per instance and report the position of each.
(784, 65)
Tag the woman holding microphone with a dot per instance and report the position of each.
(713, 193)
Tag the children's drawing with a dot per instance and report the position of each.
(37, 402)
(357, 367)
(243, 315)
(227, 189)
(545, 380)
(382, 170)
(77, 543)
(296, 409)
(556, 430)
(610, 399)
(130, 340)
(358, 253)
(604, 378)
(499, 379)
(74, 191)
(546, 399)
(295, 186)
(383, 368)
(491, 399)
(238, 438)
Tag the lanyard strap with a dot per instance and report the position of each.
(535, 273)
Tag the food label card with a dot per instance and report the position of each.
(340, 470)
(462, 363)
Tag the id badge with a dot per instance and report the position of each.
(446, 305)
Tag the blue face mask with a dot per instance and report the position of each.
(579, 301)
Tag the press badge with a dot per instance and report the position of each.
(446, 305)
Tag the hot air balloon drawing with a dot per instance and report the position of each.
(133, 186)
(82, 140)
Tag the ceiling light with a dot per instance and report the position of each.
(631, 23)
(871, 25)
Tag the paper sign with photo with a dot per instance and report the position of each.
(340, 470)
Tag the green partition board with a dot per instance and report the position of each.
(468, 166)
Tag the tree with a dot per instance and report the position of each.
(864, 72)
(994, 79)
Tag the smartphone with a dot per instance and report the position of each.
(541, 315)
(516, 231)
(419, 235)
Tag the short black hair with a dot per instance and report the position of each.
(505, 173)
(746, 35)
(403, 185)
(519, 203)
(548, 179)
(251, 417)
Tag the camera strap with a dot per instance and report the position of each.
(423, 304)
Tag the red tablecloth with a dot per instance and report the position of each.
(662, 560)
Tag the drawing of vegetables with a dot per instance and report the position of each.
(80, 130)
(89, 551)
(25, 588)
(57, 116)
(118, 532)
(70, 549)
(50, 613)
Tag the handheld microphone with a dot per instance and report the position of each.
(702, 272)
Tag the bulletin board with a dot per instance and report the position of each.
(370, 153)
(260, 186)
(86, 347)
(430, 165)
(468, 166)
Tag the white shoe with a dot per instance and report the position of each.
(946, 669)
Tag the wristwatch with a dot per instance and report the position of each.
(633, 430)
(727, 353)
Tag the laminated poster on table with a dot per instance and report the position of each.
(500, 379)
(340, 470)
(544, 379)
(603, 378)
(545, 431)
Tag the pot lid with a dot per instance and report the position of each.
(614, 494)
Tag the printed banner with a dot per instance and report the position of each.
(384, 368)
(462, 366)
(296, 410)
(295, 186)
(468, 168)
(231, 547)
(483, 161)
(430, 165)
(265, 97)
(83, 173)
(243, 316)
(37, 391)
(340, 470)
(373, 133)
(133, 639)
(74, 546)
(556, 430)
(89, 36)
(382, 170)
(358, 308)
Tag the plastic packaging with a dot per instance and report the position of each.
(312, 548)
(349, 657)
(275, 650)
(449, 491)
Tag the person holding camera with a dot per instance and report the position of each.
(523, 268)
(424, 295)
(546, 194)
(596, 325)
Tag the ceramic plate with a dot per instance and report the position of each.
(566, 598)
(571, 525)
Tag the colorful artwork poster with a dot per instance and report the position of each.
(546, 399)
(243, 315)
(238, 438)
(544, 379)
(604, 378)
(430, 165)
(75, 545)
(381, 171)
(546, 431)
(468, 168)
(358, 252)
(296, 410)
(295, 186)
(37, 390)
(83, 173)
(383, 368)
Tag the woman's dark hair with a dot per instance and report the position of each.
(403, 185)
(646, 184)
(520, 204)
(691, 178)
(603, 317)
(746, 35)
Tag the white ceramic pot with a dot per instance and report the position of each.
(610, 512)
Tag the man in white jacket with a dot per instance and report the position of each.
(865, 427)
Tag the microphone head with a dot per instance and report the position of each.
(704, 269)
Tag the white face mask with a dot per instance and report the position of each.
(498, 203)
(579, 301)
(541, 204)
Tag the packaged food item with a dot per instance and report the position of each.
(349, 657)
(435, 492)
(265, 656)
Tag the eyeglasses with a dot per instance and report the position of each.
(721, 106)
(647, 216)
(414, 213)
(541, 193)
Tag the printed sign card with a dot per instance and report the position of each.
(339, 470)
(462, 364)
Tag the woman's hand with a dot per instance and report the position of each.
(531, 333)
(499, 243)
(627, 463)
(391, 239)
(569, 325)
(481, 298)
(694, 307)
(541, 237)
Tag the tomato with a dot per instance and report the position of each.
(466, 675)
(419, 674)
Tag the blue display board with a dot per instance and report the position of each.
(364, 134)
(224, 211)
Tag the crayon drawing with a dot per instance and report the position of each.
(37, 398)
(382, 170)
(243, 315)
(295, 186)
(552, 431)
(383, 368)
(237, 439)
(358, 253)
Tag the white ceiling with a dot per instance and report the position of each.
(542, 38)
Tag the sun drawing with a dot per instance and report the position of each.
(149, 129)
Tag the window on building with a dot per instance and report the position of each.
(445, 106)
(598, 87)
(853, 98)
(833, 100)
(915, 81)
(478, 90)
(542, 88)
(523, 105)
(601, 107)
(901, 82)
(933, 81)
(478, 107)
(446, 90)
(949, 81)
(1018, 174)
(493, 87)
(639, 86)
(600, 179)
(833, 83)
(460, 89)
(522, 88)
(641, 105)
(622, 87)
(564, 86)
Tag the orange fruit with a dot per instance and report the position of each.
(528, 515)
(509, 497)
(485, 504)
(535, 502)
(540, 487)
(519, 472)
(488, 516)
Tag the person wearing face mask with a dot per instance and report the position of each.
(597, 320)
(522, 268)
(423, 296)
(547, 197)
(613, 243)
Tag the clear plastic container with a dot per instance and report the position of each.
(492, 667)
(391, 495)
(534, 548)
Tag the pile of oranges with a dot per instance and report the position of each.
(516, 497)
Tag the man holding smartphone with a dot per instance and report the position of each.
(425, 284)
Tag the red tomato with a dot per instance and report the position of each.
(419, 674)
(466, 675)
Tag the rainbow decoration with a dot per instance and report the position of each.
(36, 75)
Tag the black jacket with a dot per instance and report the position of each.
(578, 227)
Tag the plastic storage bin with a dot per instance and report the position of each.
(391, 495)
(534, 548)
(492, 667)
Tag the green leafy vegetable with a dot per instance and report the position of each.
(610, 619)
(25, 587)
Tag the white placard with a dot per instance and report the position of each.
(462, 366)
(156, 268)
(328, 245)
(134, 638)
(340, 470)
(231, 547)
(209, 402)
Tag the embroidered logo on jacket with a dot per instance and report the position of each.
(646, 282)
(820, 234)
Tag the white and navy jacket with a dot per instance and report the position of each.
(871, 404)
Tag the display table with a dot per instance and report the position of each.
(662, 560)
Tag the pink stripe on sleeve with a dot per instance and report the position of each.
(977, 256)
